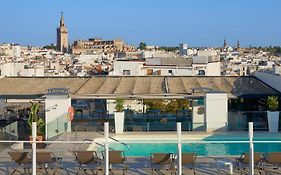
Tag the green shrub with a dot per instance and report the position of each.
(119, 105)
(34, 117)
(272, 103)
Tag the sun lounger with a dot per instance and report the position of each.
(87, 159)
(160, 160)
(272, 159)
(46, 160)
(244, 160)
(189, 159)
(22, 159)
(118, 157)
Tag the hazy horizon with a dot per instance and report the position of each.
(199, 23)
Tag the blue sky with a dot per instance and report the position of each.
(156, 22)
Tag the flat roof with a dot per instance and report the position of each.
(136, 86)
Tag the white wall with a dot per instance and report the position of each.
(33, 72)
(203, 53)
(213, 69)
(16, 51)
(12, 69)
(198, 119)
(110, 106)
(133, 66)
(216, 111)
(88, 59)
(177, 71)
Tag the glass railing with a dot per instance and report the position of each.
(57, 126)
(149, 122)
(238, 120)
(158, 121)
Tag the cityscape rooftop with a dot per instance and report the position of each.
(182, 87)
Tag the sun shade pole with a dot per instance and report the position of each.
(106, 134)
(34, 133)
(179, 148)
(251, 150)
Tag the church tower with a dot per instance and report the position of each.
(224, 44)
(238, 45)
(62, 36)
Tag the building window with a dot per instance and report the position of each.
(149, 72)
(158, 72)
(170, 71)
(201, 72)
(126, 72)
(200, 102)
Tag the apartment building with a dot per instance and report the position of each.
(206, 64)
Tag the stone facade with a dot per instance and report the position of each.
(97, 45)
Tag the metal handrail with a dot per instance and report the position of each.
(128, 147)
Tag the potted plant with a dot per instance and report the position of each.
(119, 116)
(34, 117)
(272, 113)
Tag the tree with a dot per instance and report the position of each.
(50, 47)
(171, 107)
(142, 46)
(169, 49)
(183, 104)
(155, 104)
(166, 106)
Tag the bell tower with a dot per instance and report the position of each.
(62, 36)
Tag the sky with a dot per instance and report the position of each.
(199, 23)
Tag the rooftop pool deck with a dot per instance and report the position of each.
(139, 165)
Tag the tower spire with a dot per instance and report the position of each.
(61, 20)
(224, 43)
(238, 44)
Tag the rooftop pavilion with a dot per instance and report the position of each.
(135, 87)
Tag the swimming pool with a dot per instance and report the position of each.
(145, 148)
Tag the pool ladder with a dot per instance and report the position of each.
(122, 143)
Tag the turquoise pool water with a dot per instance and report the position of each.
(202, 149)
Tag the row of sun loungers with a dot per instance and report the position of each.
(158, 161)
(260, 160)
(44, 161)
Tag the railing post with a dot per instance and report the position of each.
(251, 150)
(106, 135)
(46, 131)
(179, 148)
(34, 134)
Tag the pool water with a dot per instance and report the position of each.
(202, 149)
